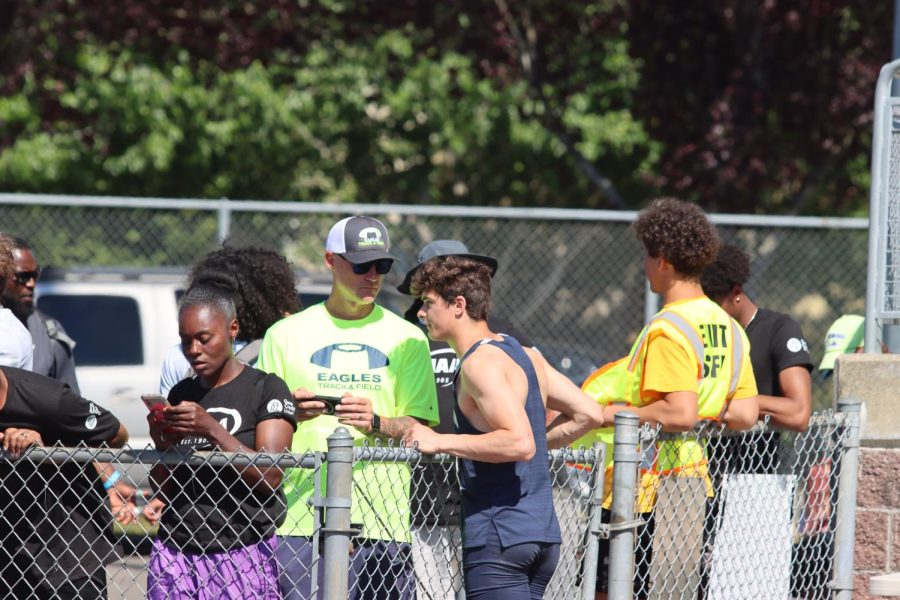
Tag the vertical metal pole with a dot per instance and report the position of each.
(224, 221)
(845, 528)
(626, 458)
(339, 481)
(876, 253)
(651, 302)
(593, 546)
(895, 53)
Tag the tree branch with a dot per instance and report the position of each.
(551, 121)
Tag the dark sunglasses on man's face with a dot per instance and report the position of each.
(382, 266)
(23, 277)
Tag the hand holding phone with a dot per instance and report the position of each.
(331, 402)
(154, 401)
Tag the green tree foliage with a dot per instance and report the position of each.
(247, 105)
(761, 106)
(742, 106)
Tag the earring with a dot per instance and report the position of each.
(737, 298)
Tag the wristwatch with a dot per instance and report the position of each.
(376, 423)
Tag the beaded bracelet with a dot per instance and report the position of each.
(111, 481)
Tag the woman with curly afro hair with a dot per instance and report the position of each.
(261, 282)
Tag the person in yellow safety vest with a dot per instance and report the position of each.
(690, 362)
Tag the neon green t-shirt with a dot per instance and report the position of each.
(380, 357)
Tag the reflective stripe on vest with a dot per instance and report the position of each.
(688, 332)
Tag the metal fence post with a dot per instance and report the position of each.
(224, 221)
(845, 527)
(592, 550)
(626, 458)
(337, 531)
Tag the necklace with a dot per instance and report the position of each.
(751, 318)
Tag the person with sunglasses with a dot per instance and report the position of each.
(15, 341)
(380, 367)
(53, 348)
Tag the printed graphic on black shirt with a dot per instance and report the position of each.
(212, 509)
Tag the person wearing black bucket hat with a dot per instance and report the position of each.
(444, 248)
(442, 356)
(378, 365)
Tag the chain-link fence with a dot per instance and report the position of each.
(706, 514)
(716, 514)
(59, 539)
(572, 280)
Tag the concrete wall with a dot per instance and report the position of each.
(875, 379)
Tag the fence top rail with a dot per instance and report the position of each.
(709, 429)
(512, 213)
(307, 460)
(128, 455)
(391, 453)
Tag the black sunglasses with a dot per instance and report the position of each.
(23, 277)
(382, 266)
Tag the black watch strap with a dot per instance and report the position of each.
(376, 423)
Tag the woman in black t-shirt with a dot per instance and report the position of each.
(217, 530)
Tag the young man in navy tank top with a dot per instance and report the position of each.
(511, 537)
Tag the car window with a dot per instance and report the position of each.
(106, 329)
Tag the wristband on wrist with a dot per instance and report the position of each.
(376, 423)
(112, 479)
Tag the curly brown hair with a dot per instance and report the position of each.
(731, 268)
(7, 260)
(679, 232)
(265, 285)
(451, 276)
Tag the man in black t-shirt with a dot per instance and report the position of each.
(778, 350)
(55, 524)
(782, 365)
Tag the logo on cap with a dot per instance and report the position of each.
(370, 236)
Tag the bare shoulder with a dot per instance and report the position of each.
(487, 358)
(537, 359)
(487, 365)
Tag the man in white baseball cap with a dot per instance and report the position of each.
(379, 366)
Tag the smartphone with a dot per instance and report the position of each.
(330, 402)
(154, 401)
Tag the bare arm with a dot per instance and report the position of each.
(357, 411)
(578, 413)
(676, 411)
(794, 409)
(499, 395)
(742, 413)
